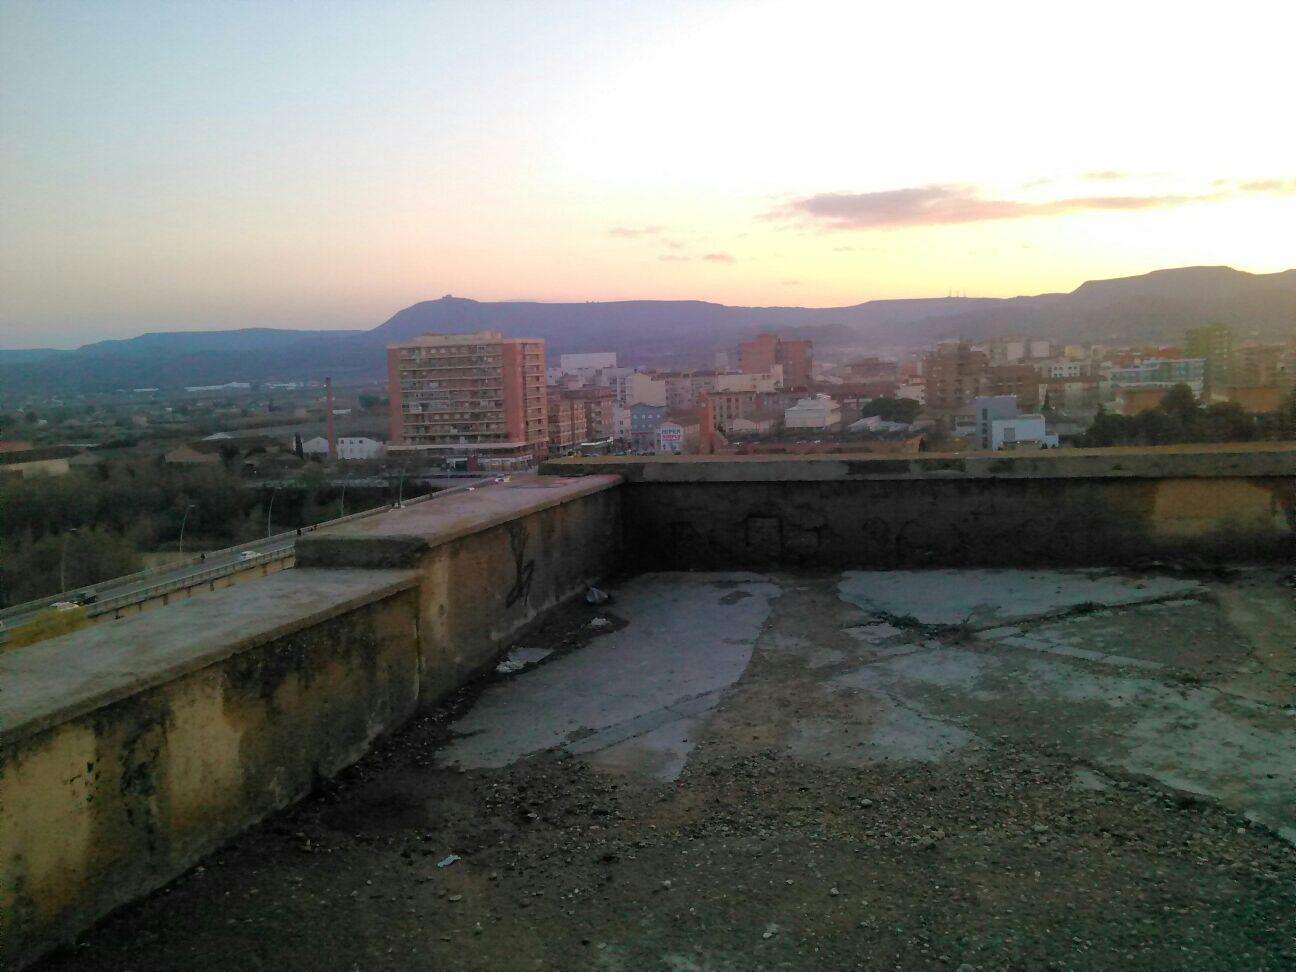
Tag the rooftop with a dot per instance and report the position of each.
(904, 768)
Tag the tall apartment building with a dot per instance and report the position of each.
(567, 428)
(1213, 342)
(1020, 381)
(956, 374)
(763, 352)
(477, 396)
(600, 407)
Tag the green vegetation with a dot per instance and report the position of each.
(92, 524)
(1180, 418)
(892, 409)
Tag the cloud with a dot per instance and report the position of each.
(672, 258)
(1108, 175)
(1274, 186)
(943, 205)
(630, 232)
(718, 257)
(790, 283)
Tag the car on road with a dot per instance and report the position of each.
(84, 597)
(249, 555)
(63, 605)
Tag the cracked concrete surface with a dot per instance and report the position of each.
(918, 665)
(691, 636)
(906, 769)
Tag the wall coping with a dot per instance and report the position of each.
(63, 678)
(1228, 460)
(400, 538)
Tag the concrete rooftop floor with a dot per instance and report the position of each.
(948, 769)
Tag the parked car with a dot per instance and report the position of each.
(84, 597)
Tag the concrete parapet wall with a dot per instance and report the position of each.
(1070, 507)
(130, 749)
(490, 562)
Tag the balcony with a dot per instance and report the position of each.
(921, 712)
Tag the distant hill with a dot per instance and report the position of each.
(1153, 307)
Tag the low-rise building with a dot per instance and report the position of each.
(819, 413)
(644, 420)
(999, 425)
(349, 447)
(1164, 373)
(51, 461)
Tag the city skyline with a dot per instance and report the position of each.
(173, 167)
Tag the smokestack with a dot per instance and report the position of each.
(332, 422)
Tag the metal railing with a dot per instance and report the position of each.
(113, 603)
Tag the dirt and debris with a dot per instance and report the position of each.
(858, 794)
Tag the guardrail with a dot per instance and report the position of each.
(188, 580)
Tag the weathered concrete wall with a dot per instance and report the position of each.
(1093, 507)
(491, 562)
(132, 748)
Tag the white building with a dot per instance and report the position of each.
(916, 390)
(820, 413)
(641, 389)
(1030, 430)
(621, 422)
(998, 425)
(574, 364)
(349, 447)
(1067, 369)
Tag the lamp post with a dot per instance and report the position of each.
(63, 560)
(183, 520)
(342, 501)
(270, 510)
(400, 491)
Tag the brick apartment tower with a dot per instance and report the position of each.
(764, 351)
(478, 395)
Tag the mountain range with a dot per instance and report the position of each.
(1153, 307)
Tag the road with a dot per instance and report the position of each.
(173, 576)
(121, 590)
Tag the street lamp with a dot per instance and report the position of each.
(342, 501)
(400, 491)
(270, 510)
(182, 526)
(63, 559)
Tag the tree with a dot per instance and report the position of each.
(890, 409)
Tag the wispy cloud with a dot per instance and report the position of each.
(630, 232)
(672, 258)
(1107, 175)
(943, 205)
(718, 257)
(946, 205)
(1274, 186)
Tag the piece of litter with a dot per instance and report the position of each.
(596, 596)
(447, 861)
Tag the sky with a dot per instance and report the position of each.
(263, 163)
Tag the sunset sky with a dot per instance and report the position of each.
(231, 164)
